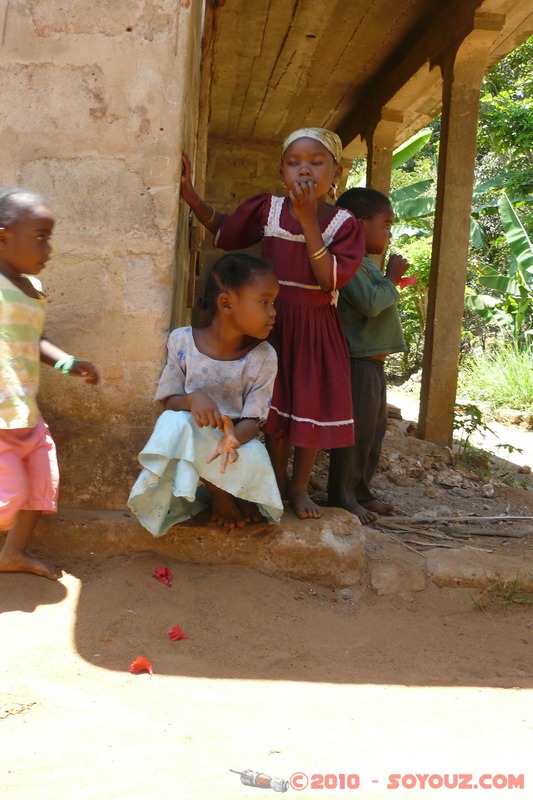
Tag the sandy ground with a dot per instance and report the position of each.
(334, 691)
(276, 676)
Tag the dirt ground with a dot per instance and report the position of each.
(341, 693)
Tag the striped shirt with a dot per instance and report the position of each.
(21, 327)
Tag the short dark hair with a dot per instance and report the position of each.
(231, 272)
(14, 203)
(364, 203)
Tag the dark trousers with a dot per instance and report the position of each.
(352, 468)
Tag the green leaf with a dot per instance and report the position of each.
(517, 238)
(493, 206)
(502, 318)
(407, 210)
(500, 283)
(476, 233)
(412, 190)
(397, 231)
(480, 302)
(492, 183)
(411, 147)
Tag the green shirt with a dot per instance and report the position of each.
(367, 307)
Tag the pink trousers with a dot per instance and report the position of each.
(29, 475)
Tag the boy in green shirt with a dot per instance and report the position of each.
(367, 306)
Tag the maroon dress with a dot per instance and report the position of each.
(312, 395)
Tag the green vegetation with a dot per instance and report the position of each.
(467, 420)
(508, 307)
(498, 319)
(500, 376)
(501, 591)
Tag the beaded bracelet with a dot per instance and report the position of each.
(66, 364)
(319, 253)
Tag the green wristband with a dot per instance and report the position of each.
(66, 364)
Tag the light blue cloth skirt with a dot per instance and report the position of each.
(169, 490)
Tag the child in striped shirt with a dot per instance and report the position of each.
(28, 466)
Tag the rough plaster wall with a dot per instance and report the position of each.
(237, 170)
(93, 116)
(151, 20)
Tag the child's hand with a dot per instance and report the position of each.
(84, 369)
(304, 200)
(227, 446)
(205, 411)
(187, 188)
(396, 267)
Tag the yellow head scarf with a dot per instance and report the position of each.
(329, 139)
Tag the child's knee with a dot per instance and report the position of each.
(10, 506)
(14, 489)
(277, 438)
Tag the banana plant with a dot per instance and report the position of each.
(414, 208)
(410, 147)
(414, 204)
(509, 306)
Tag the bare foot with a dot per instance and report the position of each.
(359, 510)
(378, 506)
(225, 512)
(249, 511)
(303, 506)
(364, 515)
(23, 562)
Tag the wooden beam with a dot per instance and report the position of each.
(409, 57)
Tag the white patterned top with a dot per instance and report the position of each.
(241, 389)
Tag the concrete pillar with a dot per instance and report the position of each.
(462, 73)
(381, 141)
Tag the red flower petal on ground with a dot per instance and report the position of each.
(176, 633)
(164, 575)
(407, 280)
(141, 664)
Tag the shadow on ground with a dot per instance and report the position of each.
(26, 593)
(242, 624)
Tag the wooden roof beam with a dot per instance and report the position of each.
(367, 105)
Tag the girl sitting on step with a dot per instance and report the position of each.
(216, 389)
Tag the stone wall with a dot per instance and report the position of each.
(97, 101)
(238, 169)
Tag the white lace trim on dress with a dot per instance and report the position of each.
(273, 229)
(312, 421)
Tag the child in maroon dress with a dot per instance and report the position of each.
(314, 249)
